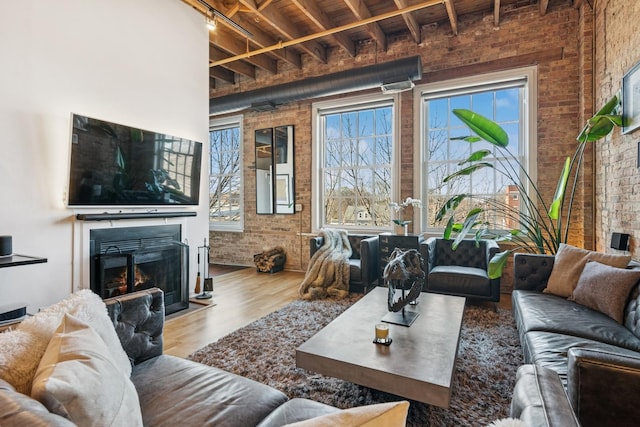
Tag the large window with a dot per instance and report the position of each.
(508, 98)
(354, 152)
(225, 176)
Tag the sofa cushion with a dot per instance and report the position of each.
(20, 410)
(605, 289)
(391, 414)
(21, 349)
(535, 311)
(550, 350)
(175, 391)
(78, 379)
(355, 271)
(568, 265)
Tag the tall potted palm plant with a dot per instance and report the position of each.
(541, 225)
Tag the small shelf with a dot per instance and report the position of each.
(15, 260)
(133, 215)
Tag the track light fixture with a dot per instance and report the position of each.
(211, 22)
(213, 14)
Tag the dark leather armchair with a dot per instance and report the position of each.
(461, 272)
(363, 263)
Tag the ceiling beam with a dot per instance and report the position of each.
(453, 17)
(287, 29)
(496, 13)
(321, 20)
(544, 4)
(361, 12)
(412, 24)
(234, 46)
(223, 74)
(284, 44)
(260, 38)
(239, 67)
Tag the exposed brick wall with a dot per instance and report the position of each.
(522, 32)
(617, 49)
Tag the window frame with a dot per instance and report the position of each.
(318, 109)
(528, 117)
(224, 123)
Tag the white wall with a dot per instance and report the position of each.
(142, 63)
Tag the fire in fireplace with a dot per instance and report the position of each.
(128, 259)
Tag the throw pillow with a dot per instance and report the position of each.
(605, 289)
(390, 414)
(21, 350)
(78, 379)
(568, 264)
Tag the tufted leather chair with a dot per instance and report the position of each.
(363, 263)
(461, 272)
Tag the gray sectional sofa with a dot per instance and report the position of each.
(172, 391)
(581, 366)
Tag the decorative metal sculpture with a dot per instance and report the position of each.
(405, 268)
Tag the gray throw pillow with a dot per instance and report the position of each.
(605, 289)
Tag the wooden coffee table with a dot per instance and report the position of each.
(418, 364)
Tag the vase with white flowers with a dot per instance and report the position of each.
(399, 209)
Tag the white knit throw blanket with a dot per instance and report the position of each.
(328, 271)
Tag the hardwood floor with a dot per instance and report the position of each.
(240, 297)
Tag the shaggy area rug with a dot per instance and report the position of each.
(488, 356)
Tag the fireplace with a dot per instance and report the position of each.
(128, 259)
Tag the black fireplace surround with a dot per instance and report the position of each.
(129, 259)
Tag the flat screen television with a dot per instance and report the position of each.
(118, 165)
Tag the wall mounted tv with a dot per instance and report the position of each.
(118, 165)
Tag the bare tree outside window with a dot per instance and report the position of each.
(225, 185)
(357, 147)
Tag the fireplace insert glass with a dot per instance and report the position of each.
(134, 258)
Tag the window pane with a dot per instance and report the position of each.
(225, 181)
(487, 186)
(356, 171)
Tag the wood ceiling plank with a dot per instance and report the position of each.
(287, 29)
(321, 20)
(577, 3)
(361, 12)
(453, 17)
(412, 24)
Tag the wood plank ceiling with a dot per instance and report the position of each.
(260, 34)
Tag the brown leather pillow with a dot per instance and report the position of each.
(568, 264)
(605, 289)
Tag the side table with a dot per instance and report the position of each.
(387, 242)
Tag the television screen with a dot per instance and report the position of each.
(118, 165)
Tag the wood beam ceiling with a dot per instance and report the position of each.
(453, 17)
(327, 32)
(286, 28)
(544, 4)
(311, 10)
(412, 24)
